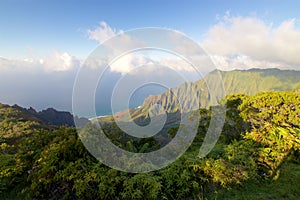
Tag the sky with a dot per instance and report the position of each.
(44, 43)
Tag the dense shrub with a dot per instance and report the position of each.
(261, 132)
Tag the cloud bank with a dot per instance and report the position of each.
(234, 42)
(251, 42)
(54, 62)
(41, 83)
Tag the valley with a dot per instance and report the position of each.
(42, 156)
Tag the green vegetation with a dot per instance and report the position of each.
(256, 157)
(235, 82)
(285, 187)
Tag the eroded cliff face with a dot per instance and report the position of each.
(194, 95)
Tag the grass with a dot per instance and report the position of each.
(287, 186)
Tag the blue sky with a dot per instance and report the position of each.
(44, 43)
(34, 28)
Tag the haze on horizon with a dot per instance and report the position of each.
(44, 44)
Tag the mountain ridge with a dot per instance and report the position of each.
(247, 82)
(49, 116)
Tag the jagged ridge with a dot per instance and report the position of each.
(237, 81)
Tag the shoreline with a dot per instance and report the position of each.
(97, 117)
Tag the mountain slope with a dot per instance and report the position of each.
(14, 117)
(237, 81)
(15, 123)
(258, 80)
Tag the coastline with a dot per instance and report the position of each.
(97, 117)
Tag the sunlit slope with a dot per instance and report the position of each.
(189, 96)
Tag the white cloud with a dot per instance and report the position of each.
(102, 33)
(176, 63)
(110, 53)
(128, 62)
(54, 62)
(228, 63)
(256, 40)
(233, 43)
(40, 83)
(60, 62)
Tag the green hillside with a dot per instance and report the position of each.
(256, 157)
(235, 82)
(258, 80)
(16, 123)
